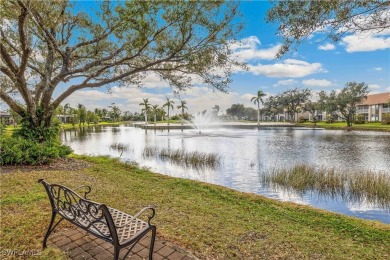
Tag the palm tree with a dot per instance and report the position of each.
(81, 113)
(168, 104)
(216, 109)
(67, 108)
(183, 107)
(258, 99)
(115, 112)
(155, 110)
(146, 108)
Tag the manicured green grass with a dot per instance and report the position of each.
(178, 121)
(211, 221)
(71, 126)
(342, 125)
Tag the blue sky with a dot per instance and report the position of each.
(317, 64)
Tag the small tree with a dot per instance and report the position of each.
(183, 107)
(216, 109)
(115, 112)
(350, 96)
(155, 110)
(257, 100)
(312, 108)
(272, 107)
(292, 99)
(146, 109)
(237, 110)
(81, 114)
(328, 104)
(169, 105)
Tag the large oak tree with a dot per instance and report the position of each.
(50, 51)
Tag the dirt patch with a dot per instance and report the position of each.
(67, 164)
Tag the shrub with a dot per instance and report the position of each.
(301, 119)
(16, 150)
(2, 128)
(386, 119)
(329, 119)
(38, 134)
(359, 119)
(175, 117)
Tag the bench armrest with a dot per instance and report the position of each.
(151, 208)
(87, 190)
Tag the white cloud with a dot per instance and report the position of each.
(327, 47)
(374, 86)
(367, 41)
(317, 82)
(378, 68)
(289, 68)
(152, 80)
(287, 82)
(249, 49)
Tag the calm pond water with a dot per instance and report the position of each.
(245, 155)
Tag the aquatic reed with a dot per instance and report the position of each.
(120, 146)
(193, 159)
(371, 187)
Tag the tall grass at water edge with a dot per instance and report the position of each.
(363, 186)
(193, 159)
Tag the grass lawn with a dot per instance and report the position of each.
(210, 221)
(70, 126)
(343, 125)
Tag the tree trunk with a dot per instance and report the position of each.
(168, 117)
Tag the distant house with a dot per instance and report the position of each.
(6, 118)
(65, 119)
(374, 107)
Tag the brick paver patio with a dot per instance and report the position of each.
(78, 244)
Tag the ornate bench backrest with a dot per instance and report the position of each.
(87, 214)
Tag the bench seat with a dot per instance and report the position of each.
(112, 225)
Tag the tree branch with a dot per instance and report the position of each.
(12, 104)
(8, 59)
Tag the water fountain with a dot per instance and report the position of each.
(204, 120)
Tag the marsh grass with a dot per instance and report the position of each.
(181, 157)
(372, 187)
(120, 146)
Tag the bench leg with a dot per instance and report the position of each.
(152, 242)
(49, 229)
(116, 252)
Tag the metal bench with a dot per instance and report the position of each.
(116, 227)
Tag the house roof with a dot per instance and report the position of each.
(381, 98)
(5, 114)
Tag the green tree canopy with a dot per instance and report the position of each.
(300, 19)
(292, 100)
(350, 96)
(45, 46)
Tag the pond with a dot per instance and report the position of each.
(245, 155)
